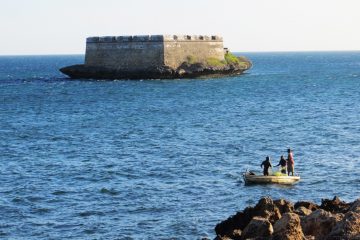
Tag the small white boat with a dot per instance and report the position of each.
(251, 178)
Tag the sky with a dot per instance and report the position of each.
(61, 26)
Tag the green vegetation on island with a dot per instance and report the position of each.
(214, 62)
(229, 60)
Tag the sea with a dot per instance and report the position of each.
(163, 159)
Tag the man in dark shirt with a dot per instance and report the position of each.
(282, 164)
(266, 165)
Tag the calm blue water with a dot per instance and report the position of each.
(163, 159)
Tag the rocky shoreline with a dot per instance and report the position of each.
(186, 70)
(280, 219)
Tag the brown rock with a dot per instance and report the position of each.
(340, 222)
(236, 234)
(309, 205)
(258, 227)
(310, 237)
(223, 238)
(275, 216)
(264, 208)
(335, 205)
(284, 206)
(355, 206)
(303, 211)
(267, 209)
(238, 221)
(319, 223)
(264, 204)
(288, 228)
(347, 228)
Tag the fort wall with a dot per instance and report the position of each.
(130, 53)
(134, 53)
(182, 48)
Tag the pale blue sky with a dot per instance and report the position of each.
(61, 26)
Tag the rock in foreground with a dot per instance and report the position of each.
(281, 219)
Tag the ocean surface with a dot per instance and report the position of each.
(162, 159)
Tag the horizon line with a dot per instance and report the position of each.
(270, 51)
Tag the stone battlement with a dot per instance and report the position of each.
(153, 38)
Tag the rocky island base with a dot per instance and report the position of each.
(186, 70)
(280, 219)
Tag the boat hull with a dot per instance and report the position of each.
(257, 179)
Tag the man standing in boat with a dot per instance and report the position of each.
(266, 165)
(282, 164)
(290, 162)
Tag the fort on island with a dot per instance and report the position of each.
(147, 52)
(156, 56)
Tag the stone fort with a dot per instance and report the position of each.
(140, 53)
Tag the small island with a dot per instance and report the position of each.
(157, 57)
